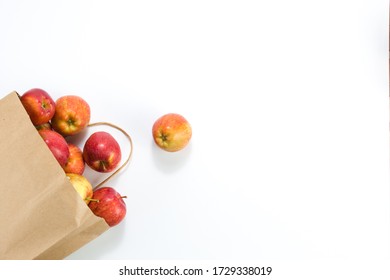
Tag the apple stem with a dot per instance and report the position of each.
(124, 196)
(128, 158)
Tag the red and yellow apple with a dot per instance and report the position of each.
(72, 115)
(171, 132)
(75, 163)
(81, 185)
(102, 152)
(57, 145)
(43, 126)
(39, 105)
(108, 204)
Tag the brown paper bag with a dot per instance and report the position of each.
(41, 214)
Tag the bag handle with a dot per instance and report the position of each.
(128, 157)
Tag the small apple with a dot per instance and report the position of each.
(102, 152)
(171, 132)
(57, 145)
(81, 185)
(72, 115)
(75, 162)
(39, 105)
(108, 204)
(43, 126)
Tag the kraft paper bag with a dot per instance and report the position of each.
(41, 214)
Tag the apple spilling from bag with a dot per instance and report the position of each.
(102, 152)
(107, 202)
(75, 163)
(81, 185)
(39, 105)
(57, 145)
(69, 115)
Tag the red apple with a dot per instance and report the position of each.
(39, 105)
(171, 132)
(75, 163)
(57, 145)
(102, 152)
(108, 204)
(72, 115)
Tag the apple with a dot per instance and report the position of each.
(108, 204)
(57, 145)
(81, 185)
(72, 115)
(102, 152)
(75, 163)
(43, 126)
(39, 105)
(171, 132)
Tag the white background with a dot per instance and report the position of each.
(288, 101)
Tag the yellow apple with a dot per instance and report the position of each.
(81, 185)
